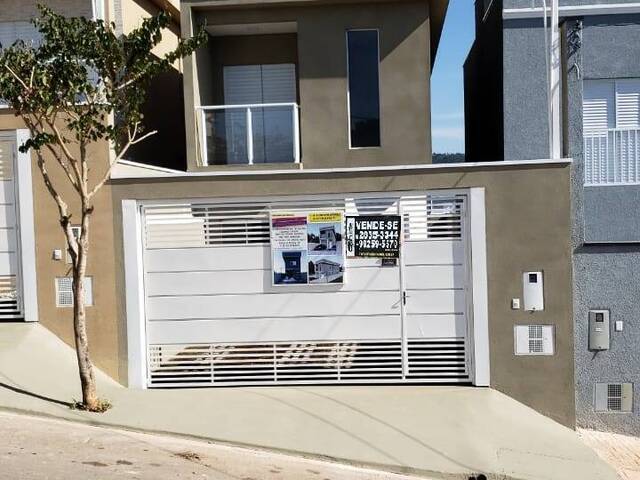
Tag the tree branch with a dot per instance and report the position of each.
(131, 141)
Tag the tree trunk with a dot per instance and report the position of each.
(85, 367)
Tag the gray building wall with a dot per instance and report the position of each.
(606, 220)
(606, 232)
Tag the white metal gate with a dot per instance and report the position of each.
(10, 294)
(213, 318)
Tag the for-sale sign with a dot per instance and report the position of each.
(373, 236)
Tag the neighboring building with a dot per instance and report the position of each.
(506, 110)
(320, 107)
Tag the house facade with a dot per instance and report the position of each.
(505, 78)
(299, 116)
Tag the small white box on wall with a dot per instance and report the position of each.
(533, 291)
(534, 339)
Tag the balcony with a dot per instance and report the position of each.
(250, 134)
(612, 157)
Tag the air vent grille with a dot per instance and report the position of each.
(534, 339)
(614, 397)
(305, 362)
(64, 291)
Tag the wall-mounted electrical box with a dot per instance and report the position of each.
(533, 291)
(599, 330)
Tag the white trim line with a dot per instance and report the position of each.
(27, 230)
(134, 293)
(480, 299)
(131, 163)
(383, 168)
(573, 10)
(621, 184)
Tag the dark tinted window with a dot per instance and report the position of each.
(364, 91)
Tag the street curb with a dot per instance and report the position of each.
(434, 475)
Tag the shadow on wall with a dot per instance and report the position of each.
(164, 112)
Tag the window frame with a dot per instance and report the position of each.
(377, 30)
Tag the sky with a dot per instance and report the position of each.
(447, 93)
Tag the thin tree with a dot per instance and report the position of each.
(82, 85)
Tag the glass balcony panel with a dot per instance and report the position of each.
(251, 134)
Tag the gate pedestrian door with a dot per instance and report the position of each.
(10, 294)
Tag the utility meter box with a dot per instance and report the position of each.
(533, 291)
(599, 330)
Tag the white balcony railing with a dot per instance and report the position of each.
(612, 157)
(250, 134)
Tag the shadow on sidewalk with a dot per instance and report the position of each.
(35, 395)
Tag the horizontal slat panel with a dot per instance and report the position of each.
(8, 264)
(436, 326)
(210, 259)
(274, 305)
(7, 240)
(434, 276)
(435, 301)
(259, 281)
(7, 215)
(6, 191)
(434, 252)
(274, 329)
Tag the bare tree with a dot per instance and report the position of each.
(82, 85)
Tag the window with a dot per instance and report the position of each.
(363, 60)
(611, 123)
(611, 104)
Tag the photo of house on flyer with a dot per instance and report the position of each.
(289, 249)
(307, 248)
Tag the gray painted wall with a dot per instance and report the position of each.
(605, 276)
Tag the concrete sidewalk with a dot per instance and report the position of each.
(434, 431)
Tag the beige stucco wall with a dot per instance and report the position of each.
(527, 211)
(135, 11)
(103, 326)
(322, 71)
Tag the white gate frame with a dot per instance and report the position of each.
(25, 233)
(477, 320)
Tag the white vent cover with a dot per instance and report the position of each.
(534, 339)
(64, 292)
(614, 397)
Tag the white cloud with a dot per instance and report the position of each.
(450, 133)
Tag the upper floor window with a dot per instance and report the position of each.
(363, 59)
(611, 124)
(611, 104)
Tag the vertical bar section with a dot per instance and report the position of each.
(554, 76)
(404, 343)
(296, 133)
(135, 296)
(203, 143)
(249, 137)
